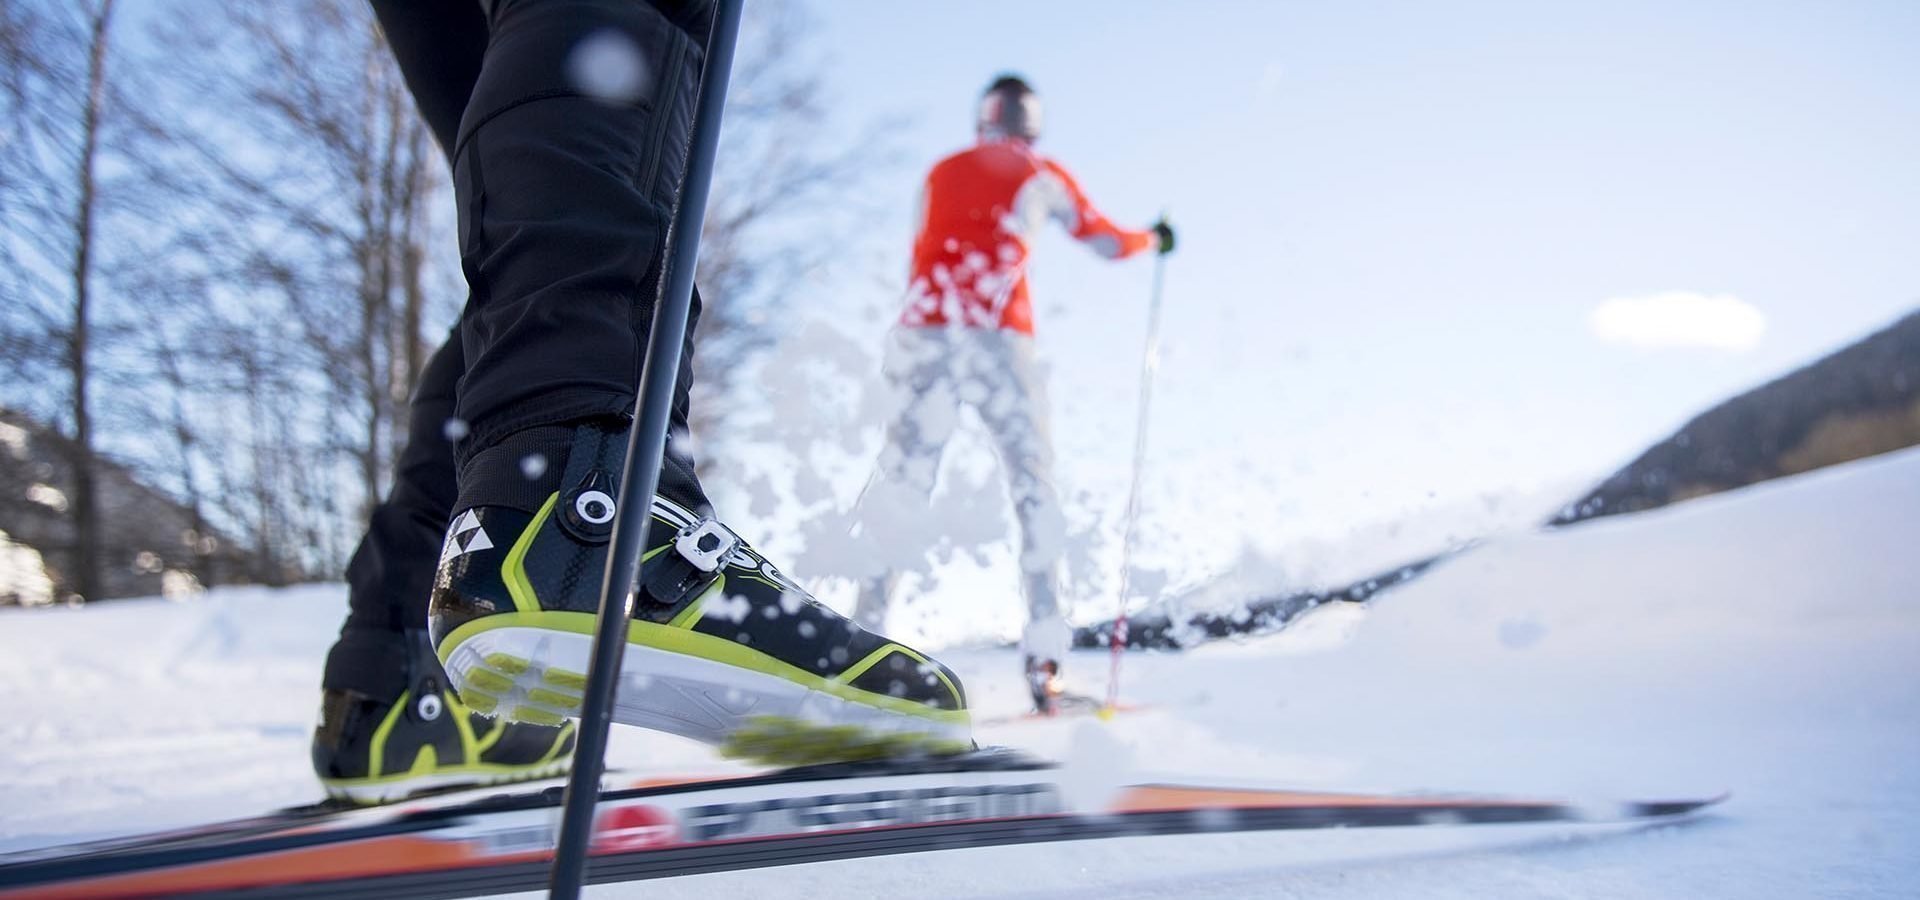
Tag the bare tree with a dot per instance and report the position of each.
(329, 234)
(184, 439)
(57, 94)
(85, 504)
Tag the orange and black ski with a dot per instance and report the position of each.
(478, 842)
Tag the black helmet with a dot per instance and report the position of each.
(1009, 108)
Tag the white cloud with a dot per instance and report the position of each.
(1679, 319)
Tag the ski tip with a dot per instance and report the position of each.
(1661, 809)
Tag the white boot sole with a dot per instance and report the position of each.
(535, 675)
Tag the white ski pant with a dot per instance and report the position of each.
(934, 372)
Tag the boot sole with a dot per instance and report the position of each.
(506, 665)
(388, 790)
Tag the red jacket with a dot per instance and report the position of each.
(977, 209)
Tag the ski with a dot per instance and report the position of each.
(1066, 706)
(477, 842)
(1172, 626)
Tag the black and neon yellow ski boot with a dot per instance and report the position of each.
(723, 648)
(369, 751)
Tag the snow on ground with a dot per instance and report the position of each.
(1765, 642)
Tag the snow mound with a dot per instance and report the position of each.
(1764, 641)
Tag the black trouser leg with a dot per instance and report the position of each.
(391, 574)
(563, 202)
(439, 45)
(563, 197)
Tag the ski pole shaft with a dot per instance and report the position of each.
(1149, 364)
(646, 446)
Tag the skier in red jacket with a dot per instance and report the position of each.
(966, 337)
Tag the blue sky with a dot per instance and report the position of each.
(1397, 219)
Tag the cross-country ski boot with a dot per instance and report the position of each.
(722, 647)
(1043, 647)
(368, 750)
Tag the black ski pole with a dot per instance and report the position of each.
(646, 445)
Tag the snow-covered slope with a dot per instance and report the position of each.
(1765, 642)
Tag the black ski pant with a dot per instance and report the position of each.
(563, 199)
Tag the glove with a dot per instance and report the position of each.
(1164, 230)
